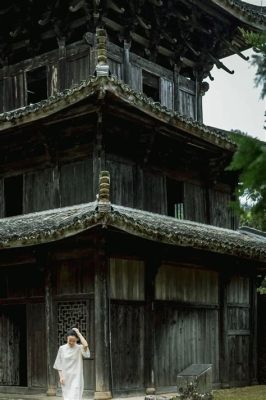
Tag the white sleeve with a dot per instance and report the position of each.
(58, 361)
(85, 354)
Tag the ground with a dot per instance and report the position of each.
(245, 393)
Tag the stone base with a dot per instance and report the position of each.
(102, 395)
(51, 392)
(150, 390)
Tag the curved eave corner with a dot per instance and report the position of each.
(252, 16)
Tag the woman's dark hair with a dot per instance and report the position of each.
(72, 333)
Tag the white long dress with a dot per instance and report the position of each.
(69, 360)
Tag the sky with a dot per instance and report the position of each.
(233, 101)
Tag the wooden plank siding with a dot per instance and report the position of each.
(77, 69)
(186, 285)
(195, 207)
(41, 190)
(219, 207)
(121, 182)
(238, 334)
(126, 279)
(13, 346)
(167, 93)
(75, 277)
(1, 95)
(155, 198)
(186, 321)
(127, 323)
(68, 185)
(127, 346)
(116, 68)
(68, 66)
(36, 345)
(2, 198)
(187, 97)
(136, 78)
(76, 183)
(184, 337)
(14, 91)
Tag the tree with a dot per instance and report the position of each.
(250, 156)
(250, 161)
(258, 42)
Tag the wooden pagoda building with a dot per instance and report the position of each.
(146, 259)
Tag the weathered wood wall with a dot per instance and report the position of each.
(69, 65)
(219, 208)
(127, 324)
(131, 186)
(186, 315)
(239, 336)
(49, 188)
(261, 339)
(36, 347)
(195, 198)
(13, 346)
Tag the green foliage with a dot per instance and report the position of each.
(258, 42)
(250, 161)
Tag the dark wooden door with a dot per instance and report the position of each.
(127, 326)
(36, 345)
(13, 360)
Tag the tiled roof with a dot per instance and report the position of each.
(120, 90)
(248, 13)
(52, 225)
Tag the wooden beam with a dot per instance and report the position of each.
(50, 321)
(102, 323)
(223, 328)
(253, 313)
(152, 264)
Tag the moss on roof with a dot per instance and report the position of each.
(118, 89)
(53, 225)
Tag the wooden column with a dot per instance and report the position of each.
(61, 84)
(151, 267)
(176, 88)
(126, 62)
(50, 325)
(102, 327)
(98, 152)
(224, 356)
(253, 361)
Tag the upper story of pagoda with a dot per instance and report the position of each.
(163, 48)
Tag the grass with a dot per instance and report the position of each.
(244, 393)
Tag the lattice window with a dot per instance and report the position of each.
(71, 314)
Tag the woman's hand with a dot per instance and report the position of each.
(77, 331)
(62, 381)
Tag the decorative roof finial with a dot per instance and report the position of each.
(104, 204)
(102, 67)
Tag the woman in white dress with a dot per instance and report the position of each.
(69, 363)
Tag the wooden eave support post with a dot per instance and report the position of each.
(223, 331)
(102, 323)
(50, 322)
(253, 352)
(101, 302)
(152, 265)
